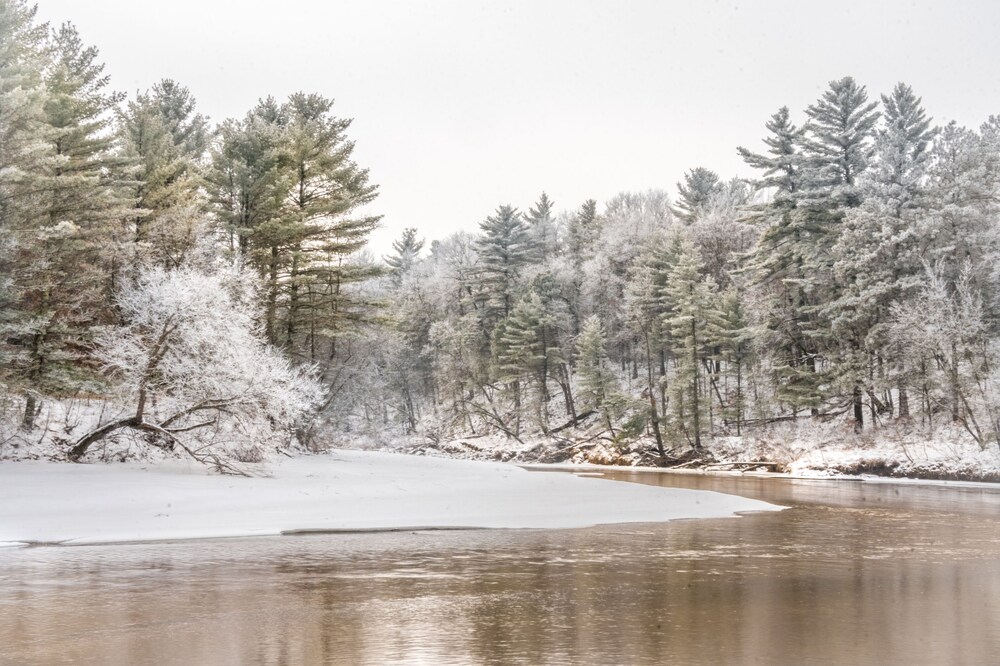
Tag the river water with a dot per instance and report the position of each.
(851, 573)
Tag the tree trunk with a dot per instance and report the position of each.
(696, 416)
(859, 411)
(31, 408)
(654, 418)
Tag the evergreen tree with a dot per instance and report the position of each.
(598, 385)
(781, 261)
(877, 253)
(67, 242)
(504, 250)
(526, 352)
(318, 229)
(837, 145)
(25, 154)
(542, 228)
(407, 249)
(782, 164)
(247, 182)
(734, 336)
(286, 188)
(696, 192)
(691, 318)
(581, 234)
(165, 139)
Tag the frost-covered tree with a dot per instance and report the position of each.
(67, 259)
(25, 156)
(407, 248)
(950, 353)
(877, 253)
(690, 319)
(599, 388)
(695, 193)
(526, 353)
(165, 139)
(192, 368)
(504, 250)
(781, 262)
(288, 192)
(542, 227)
(837, 145)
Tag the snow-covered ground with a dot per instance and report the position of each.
(343, 490)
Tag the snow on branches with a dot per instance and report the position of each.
(192, 367)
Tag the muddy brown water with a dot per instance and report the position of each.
(851, 573)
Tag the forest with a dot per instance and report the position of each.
(168, 282)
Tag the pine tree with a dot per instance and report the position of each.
(287, 190)
(598, 385)
(877, 253)
(542, 228)
(407, 249)
(526, 351)
(68, 245)
(696, 192)
(26, 155)
(837, 145)
(734, 337)
(782, 165)
(247, 182)
(319, 227)
(166, 140)
(581, 234)
(504, 250)
(647, 309)
(781, 261)
(692, 314)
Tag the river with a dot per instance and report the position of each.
(851, 573)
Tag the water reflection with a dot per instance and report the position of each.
(851, 573)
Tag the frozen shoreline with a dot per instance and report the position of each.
(59, 503)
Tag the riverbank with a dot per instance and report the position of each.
(808, 449)
(63, 503)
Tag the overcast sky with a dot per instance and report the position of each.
(461, 105)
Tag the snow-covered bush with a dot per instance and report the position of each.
(192, 368)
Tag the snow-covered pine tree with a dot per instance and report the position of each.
(407, 248)
(285, 186)
(526, 352)
(695, 193)
(165, 139)
(504, 250)
(542, 226)
(877, 253)
(690, 320)
(582, 231)
(599, 389)
(780, 262)
(25, 156)
(67, 254)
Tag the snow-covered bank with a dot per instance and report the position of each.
(808, 448)
(344, 490)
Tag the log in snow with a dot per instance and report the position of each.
(341, 491)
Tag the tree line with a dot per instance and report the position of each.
(854, 277)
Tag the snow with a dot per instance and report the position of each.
(340, 491)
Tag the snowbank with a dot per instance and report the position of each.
(343, 490)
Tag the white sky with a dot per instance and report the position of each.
(461, 105)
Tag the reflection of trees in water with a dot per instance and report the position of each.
(853, 573)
